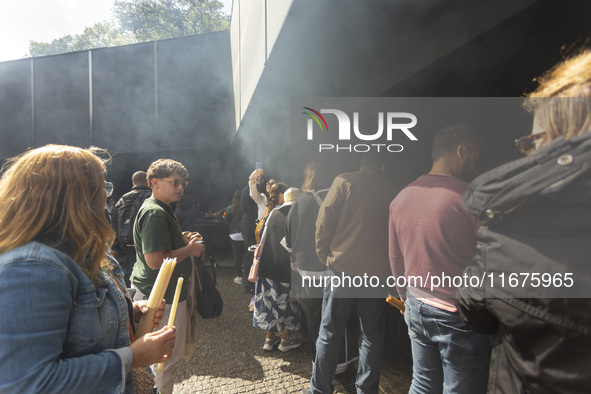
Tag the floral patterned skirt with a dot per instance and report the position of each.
(274, 309)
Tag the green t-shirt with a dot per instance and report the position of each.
(156, 229)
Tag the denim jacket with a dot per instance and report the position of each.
(61, 333)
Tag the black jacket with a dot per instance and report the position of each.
(249, 207)
(300, 232)
(188, 218)
(233, 221)
(275, 262)
(536, 215)
(125, 211)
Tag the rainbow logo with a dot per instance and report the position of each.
(315, 115)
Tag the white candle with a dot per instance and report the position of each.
(175, 304)
(155, 296)
(166, 280)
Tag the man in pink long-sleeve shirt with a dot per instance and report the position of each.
(432, 240)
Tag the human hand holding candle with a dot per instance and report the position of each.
(141, 307)
(154, 347)
(175, 304)
(157, 294)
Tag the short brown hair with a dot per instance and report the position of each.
(163, 168)
(315, 176)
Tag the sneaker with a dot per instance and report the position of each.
(238, 280)
(284, 346)
(270, 343)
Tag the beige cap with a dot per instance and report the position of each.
(291, 195)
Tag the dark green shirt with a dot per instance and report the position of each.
(156, 230)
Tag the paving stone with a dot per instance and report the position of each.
(230, 359)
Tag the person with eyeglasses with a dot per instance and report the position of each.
(109, 189)
(69, 321)
(534, 246)
(269, 186)
(157, 235)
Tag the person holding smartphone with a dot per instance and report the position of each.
(251, 213)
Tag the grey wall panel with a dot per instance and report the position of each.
(195, 92)
(61, 98)
(16, 130)
(124, 98)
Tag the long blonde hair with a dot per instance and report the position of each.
(315, 176)
(562, 100)
(56, 191)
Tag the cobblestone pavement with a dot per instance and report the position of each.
(230, 359)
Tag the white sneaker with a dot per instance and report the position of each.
(238, 280)
(270, 343)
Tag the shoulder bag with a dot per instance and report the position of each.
(209, 300)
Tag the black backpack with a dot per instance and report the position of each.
(125, 211)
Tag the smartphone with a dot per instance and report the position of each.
(258, 165)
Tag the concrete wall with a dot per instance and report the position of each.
(170, 98)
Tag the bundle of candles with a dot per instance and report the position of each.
(147, 321)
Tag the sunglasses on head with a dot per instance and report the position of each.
(177, 182)
(527, 143)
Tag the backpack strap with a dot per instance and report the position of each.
(317, 197)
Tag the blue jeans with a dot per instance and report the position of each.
(335, 314)
(447, 355)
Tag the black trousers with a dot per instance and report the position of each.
(238, 252)
(249, 239)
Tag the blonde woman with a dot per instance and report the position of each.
(66, 325)
(536, 216)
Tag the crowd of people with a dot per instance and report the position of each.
(74, 309)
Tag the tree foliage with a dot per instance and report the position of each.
(102, 34)
(140, 21)
(159, 19)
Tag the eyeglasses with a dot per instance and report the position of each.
(527, 143)
(176, 182)
(109, 188)
(271, 183)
